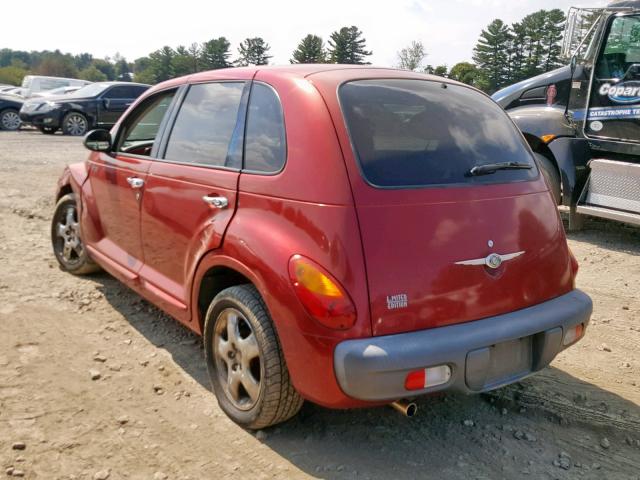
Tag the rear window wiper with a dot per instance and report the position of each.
(494, 167)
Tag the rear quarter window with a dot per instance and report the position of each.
(265, 149)
(412, 133)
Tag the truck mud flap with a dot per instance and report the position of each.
(612, 191)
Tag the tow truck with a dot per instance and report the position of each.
(583, 120)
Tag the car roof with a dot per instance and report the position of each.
(338, 73)
(124, 83)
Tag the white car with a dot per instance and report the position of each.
(32, 84)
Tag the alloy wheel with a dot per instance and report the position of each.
(10, 120)
(75, 124)
(237, 357)
(68, 245)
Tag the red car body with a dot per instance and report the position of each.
(382, 245)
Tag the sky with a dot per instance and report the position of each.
(448, 29)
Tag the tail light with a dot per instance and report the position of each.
(321, 294)
(573, 334)
(427, 377)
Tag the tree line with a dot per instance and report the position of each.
(506, 54)
(503, 54)
(346, 45)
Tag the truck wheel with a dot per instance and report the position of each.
(552, 176)
(65, 237)
(9, 120)
(245, 362)
(75, 124)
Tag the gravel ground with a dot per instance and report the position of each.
(95, 383)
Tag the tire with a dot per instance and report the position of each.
(65, 238)
(10, 120)
(75, 124)
(551, 175)
(48, 130)
(250, 354)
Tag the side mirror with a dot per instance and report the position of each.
(98, 140)
(573, 63)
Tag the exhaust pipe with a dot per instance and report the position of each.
(408, 409)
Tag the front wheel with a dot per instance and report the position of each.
(75, 124)
(245, 362)
(65, 237)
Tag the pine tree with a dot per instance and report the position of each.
(253, 51)
(347, 46)
(554, 26)
(534, 26)
(182, 62)
(213, 54)
(194, 54)
(517, 52)
(161, 64)
(490, 55)
(310, 50)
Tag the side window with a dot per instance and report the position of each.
(140, 128)
(137, 91)
(265, 146)
(206, 124)
(119, 92)
(622, 50)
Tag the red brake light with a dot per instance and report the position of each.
(415, 380)
(321, 294)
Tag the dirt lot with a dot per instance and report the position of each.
(151, 415)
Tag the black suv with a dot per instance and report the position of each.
(9, 107)
(96, 105)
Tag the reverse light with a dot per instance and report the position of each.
(321, 294)
(573, 335)
(427, 377)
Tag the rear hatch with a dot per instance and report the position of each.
(429, 223)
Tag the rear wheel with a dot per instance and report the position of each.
(9, 119)
(65, 238)
(552, 176)
(245, 361)
(75, 124)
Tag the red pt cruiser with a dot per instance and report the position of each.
(351, 236)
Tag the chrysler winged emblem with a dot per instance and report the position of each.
(493, 260)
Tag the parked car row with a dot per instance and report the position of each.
(74, 109)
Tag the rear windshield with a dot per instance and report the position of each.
(411, 133)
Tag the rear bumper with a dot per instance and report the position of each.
(374, 369)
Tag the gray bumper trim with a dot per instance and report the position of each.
(375, 368)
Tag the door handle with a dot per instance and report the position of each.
(218, 202)
(135, 182)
